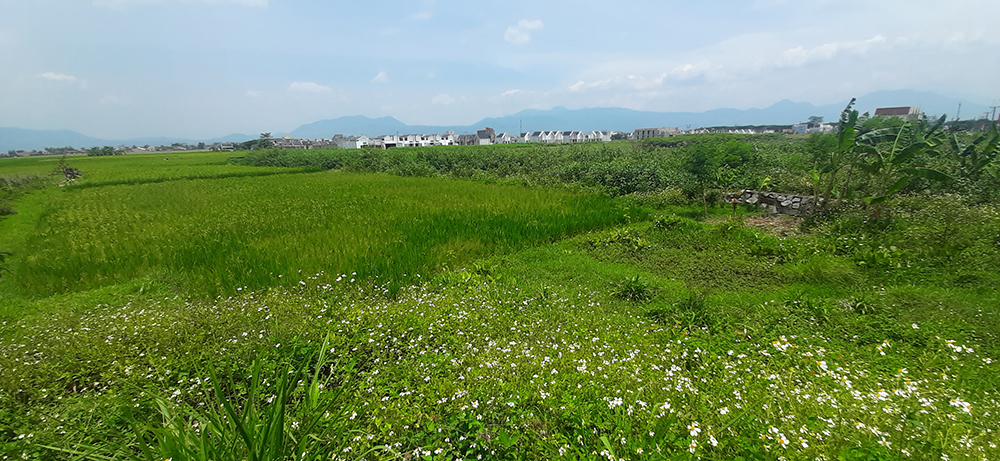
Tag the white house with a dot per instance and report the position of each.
(504, 138)
(662, 132)
(573, 136)
(356, 142)
(440, 139)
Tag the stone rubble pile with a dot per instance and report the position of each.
(778, 203)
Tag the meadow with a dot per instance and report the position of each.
(464, 309)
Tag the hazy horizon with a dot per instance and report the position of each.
(121, 69)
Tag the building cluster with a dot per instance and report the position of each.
(749, 130)
(484, 137)
(807, 128)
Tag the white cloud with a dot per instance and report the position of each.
(581, 85)
(689, 71)
(510, 92)
(643, 82)
(801, 55)
(308, 87)
(442, 100)
(112, 100)
(252, 94)
(422, 16)
(521, 33)
(381, 77)
(122, 4)
(57, 77)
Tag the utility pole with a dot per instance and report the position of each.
(994, 109)
(958, 116)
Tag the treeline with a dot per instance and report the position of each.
(103, 151)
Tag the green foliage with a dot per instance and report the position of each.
(880, 123)
(888, 157)
(103, 151)
(976, 157)
(666, 198)
(632, 289)
(821, 269)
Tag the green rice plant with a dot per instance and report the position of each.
(224, 234)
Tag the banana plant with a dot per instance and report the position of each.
(887, 155)
(826, 170)
(974, 159)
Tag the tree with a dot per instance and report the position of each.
(816, 120)
(700, 164)
(715, 164)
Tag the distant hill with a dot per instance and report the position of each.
(22, 139)
(783, 112)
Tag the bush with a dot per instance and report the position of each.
(632, 289)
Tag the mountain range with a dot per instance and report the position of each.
(784, 112)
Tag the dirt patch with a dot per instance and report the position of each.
(782, 226)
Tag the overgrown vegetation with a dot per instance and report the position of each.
(863, 160)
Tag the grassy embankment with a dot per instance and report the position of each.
(665, 338)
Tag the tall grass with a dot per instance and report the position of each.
(224, 234)
(135, 168)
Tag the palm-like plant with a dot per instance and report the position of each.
(975, 158)
(887, 156)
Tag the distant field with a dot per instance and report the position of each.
(217, 235)
(135, 168)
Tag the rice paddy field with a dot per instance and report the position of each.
(201, 308)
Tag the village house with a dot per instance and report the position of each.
(663, 132)
(486, 137)
(907, 113)
(291, 143)
(504, 138)
(356, 142)
(467, 140)
(573, 136)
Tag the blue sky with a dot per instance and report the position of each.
(205, 68)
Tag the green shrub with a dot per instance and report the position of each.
(632, 289)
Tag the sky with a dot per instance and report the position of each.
(118, 69)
